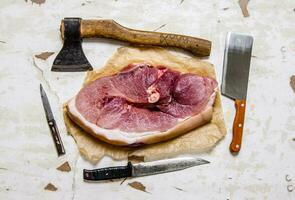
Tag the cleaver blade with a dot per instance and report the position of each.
(236, 67)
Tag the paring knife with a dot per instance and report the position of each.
(51, 123)
(142, 169)
(236, 67)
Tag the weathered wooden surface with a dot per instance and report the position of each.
(264, 168)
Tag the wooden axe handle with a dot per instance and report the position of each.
(107, 28)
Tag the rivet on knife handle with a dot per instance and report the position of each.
(238, 126)
(108, 28)
(56, 138)
(108, 173)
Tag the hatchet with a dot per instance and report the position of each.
(71, 58)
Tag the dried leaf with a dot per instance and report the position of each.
(137, 185)
(135, 159)
(292, 83)
(44, 55)
(50, 187)
(64, 167)
(38, 1)
(243, 5)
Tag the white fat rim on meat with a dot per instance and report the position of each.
(111, 134)
(116, 134)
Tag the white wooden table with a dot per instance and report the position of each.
(28, 158)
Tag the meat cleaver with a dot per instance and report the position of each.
(236, 67)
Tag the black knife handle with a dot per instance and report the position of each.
(108, 173)
(56, 137)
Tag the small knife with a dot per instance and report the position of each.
(51, 123)
(236, 67)
(142, 169)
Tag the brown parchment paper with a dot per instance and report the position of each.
(198, 140)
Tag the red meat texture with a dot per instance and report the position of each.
(143, 98)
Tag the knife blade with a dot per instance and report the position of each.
(51, 123)
(236, 67)
(142, 169)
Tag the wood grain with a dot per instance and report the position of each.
(110, 29)
(238, 126)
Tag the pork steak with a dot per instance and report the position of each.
(143, 104)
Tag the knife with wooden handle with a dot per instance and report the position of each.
(236, 67)
(52, 124)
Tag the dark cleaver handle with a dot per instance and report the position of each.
(107, 28)
(238, 126)
(108, 173)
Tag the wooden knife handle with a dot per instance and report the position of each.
(238, 126)
(107, 28)
(56, 138)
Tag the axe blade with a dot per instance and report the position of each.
(71, 58)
